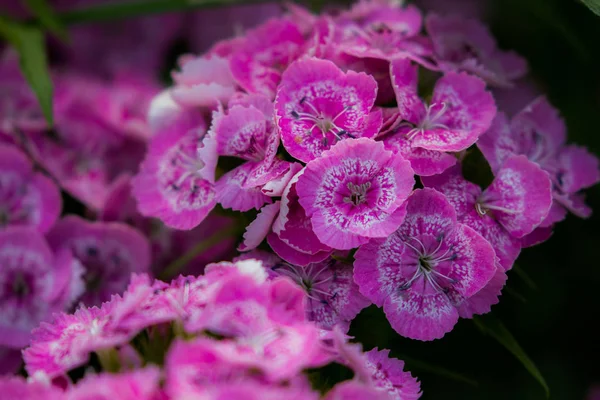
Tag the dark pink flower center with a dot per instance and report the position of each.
(429, 261)
(316, 119)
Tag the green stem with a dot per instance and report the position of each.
(127, 9)
(176, 266)
(109, 359)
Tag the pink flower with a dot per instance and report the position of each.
(26, 198)
(463, 195)
(66, 343)
(175, 182)
(141, 384)
(460, 111)
(203, 81)
(382, 30)
(355, 390)
(463, 44)
(388, 375)
(98, 135)
(539, 133)
(355, 192)
(167, 244)
(15, 387)
(332, 297)
(424, 271)
(34, 283)
(247, 131)
(109, 252)
(263, 54)
(317, 105)
(293, 238)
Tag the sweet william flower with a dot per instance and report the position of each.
(422, 273)
(27, 198)
(247, 131)
(34, 283)
(258, 59)
(318, 105)
(142, 384)
(332, 296)
(463, 44)
(109, 253)
(539, 133)
(354, 192)
(459, 112)
(203, 82)
(176, 179)
(388, 375)
(16, 387)
(292, 237)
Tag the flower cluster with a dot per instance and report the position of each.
(340, 144)
(236, 332)
(322, 122)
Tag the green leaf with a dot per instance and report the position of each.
(416, 365)
(490, 325)
(46, 16)
(30, 45)
(593, 5)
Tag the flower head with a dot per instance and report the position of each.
(423, 272)
(318, 105)
(332, 297)
(34, 283)
(175, 182)
(108, 252)
(463, 44)
(27, 198)
(354, 192)
(459, 112)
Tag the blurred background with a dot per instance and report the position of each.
(551, 303)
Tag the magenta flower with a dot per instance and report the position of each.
(388, 375)
(16, 387)
(384, 31)
(293, 238)
(332, 296)
(463, 44)
(460, 111)
(98, 135)
(203, 82)
(422, 273)
(167, 244)
(176, 179)
(248, 132)
(26, 198)
(142, 384)
(355, 390)
(355, 192)
(539, 133)
(34, 283)
(317, 105)
(258, 229)
(109, 252)
(516, 203)
(66, 342)
(259, 58)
